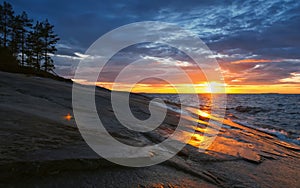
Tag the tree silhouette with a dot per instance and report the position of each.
(18, 37)
(14, 44)
(1, 25)
(25, 26)
(49, 39)
(35, 44)
(6, 20)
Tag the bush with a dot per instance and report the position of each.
(8, 62)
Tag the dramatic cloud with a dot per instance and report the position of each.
(256, 42)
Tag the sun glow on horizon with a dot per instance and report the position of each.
(203, 87)
(215, 87)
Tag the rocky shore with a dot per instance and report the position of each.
(42, 147)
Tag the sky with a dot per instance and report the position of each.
(256, 43)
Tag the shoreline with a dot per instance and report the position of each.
(41, 148)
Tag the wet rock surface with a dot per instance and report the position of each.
(39, 147)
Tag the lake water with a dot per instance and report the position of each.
(276, 114)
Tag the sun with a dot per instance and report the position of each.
(215, 87)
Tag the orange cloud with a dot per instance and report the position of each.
(274, 88)
(255, 61)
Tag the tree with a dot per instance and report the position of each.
(49, 39)
(20, 29)
(34, 46)
(24, 25)
(6, 19)
(41, 45)
(1, 26)
(14, 44)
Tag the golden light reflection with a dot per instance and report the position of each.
(203, 114)
(223, 145)
(68, 117)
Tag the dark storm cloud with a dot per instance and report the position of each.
(232, 29)
(82, 22)
(270, 72)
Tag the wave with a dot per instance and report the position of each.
(280, 134)
(250, 109)
(261, 111)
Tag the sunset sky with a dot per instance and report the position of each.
(256, 43)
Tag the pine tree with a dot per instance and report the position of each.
(49, 39)
(14, 44)
(6, 20)
(25, 26)
(36, 44)
(1, 26)
(34, 51)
